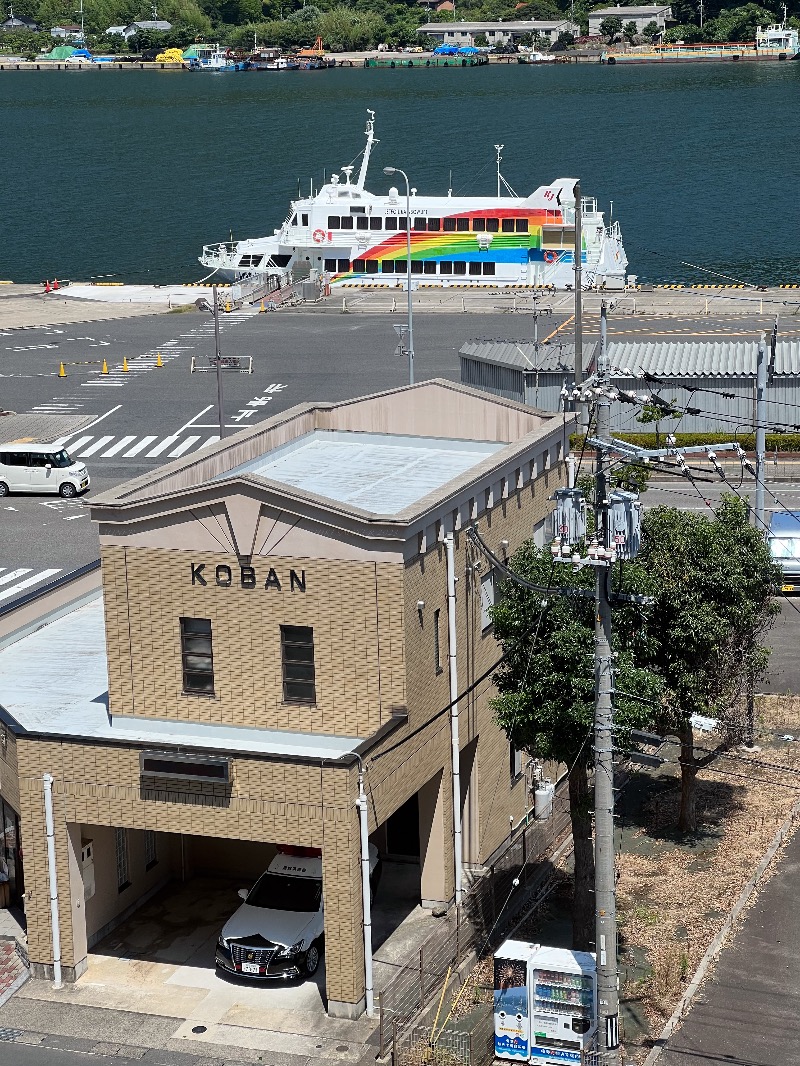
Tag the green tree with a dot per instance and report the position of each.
(564, 40)
(610, 27)
(546, 685)
(629, 31)
(481, 40)
(654, 414)
(713, 580)
(651, 30)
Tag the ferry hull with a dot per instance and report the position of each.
(688, 57)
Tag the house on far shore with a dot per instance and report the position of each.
(18, 22)
(436, 5)
(659, 13)
(68, 30)
(159, 25)
(497, 33)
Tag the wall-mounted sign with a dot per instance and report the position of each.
(245, 577)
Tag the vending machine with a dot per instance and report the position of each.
(553, 1018)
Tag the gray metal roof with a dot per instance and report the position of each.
(682, 359)
(55, 681)
(551, 358)
(378, 472)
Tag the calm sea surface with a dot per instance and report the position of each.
(129, 174)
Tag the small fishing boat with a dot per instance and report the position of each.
(212, 58)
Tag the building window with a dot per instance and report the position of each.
(515, 762)
(197, 656)
(297, 660)
(437, 644)
(487, 600)
(150, 851)
(121, 853)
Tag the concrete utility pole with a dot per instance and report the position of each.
(605, 880)
(578, 286)
(218, 365)
(761, 429)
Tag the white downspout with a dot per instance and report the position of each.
(361, 803)
(52, 878)
(449, 544)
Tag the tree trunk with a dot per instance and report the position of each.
(580, 810)
(687, 820)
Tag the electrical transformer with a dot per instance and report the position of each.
(625, 521)
(570, 515)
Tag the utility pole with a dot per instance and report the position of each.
(605, 879)
(578, 286)
(218, 365)
(761, 428)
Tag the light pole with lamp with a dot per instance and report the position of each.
(410, 350)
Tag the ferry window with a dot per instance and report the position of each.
(449, 225)
(362, 222)
(255, 260)
(400, 266)
(359, 266)
(358, 210)
(493, 225)
(508, 225)
(197, 656)
(459, 268)
(445, 268)
(333, 222)
(462, 225)
(293, 221)
(376, 223)
(478, 225)
(281, 260)
(475, 268)
(434, 224)
(330, 264)
(402, 222)
(391, 223)
(372, 266)
(304, 219)
(346, 222)
(430, 266)
(342, 265)
(388, 266)
(521, 225)
(420, 223)
(416, 266)
(488, 268)
(297, 659)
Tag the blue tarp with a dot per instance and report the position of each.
(451, 50)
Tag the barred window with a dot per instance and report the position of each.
(297, 660)
(197, 656)
(121, 854)
(150, 850)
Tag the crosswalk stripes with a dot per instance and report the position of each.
(128, 447)
(6, 577)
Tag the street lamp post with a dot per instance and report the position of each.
(396, 170)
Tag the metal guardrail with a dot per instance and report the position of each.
(50, 586)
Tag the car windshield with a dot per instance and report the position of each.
(61, 458)
(286, 893)
(785, 547)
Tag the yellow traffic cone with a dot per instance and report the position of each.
(159, 361)
(105, 367)
(62, 370)
(125, 363)
(228, 307)
(262, 308)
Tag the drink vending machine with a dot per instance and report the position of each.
(545, 1003)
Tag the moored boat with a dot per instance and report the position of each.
(350, 236)
(215, 59)
(778, 42)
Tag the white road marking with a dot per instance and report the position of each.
(79, 443)
(159, 448)
(140, 447)
(183, 447)
(14, 574)
(41, 576)
(121, 443)
(211, 440)
(98, 444)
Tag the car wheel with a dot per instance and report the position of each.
(4, 489)
(313, 958)
(68, 490)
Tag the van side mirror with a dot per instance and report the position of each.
(48, 466)
(243, 893)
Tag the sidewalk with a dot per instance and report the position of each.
(747, 1014)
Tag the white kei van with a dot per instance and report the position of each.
(40, 468)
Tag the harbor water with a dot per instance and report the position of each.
(127, 174)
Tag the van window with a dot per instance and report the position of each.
(60, 459)
(280, 893)
(14, 458)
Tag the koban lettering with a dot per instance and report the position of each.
(248, 578)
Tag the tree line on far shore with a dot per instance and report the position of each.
(359, 24)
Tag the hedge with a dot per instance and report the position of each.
(781, 442)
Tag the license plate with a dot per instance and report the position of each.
(787, 588)
(250, 967)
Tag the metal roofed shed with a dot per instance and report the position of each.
(521, 371)
(376, 472)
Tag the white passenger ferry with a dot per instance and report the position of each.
(351, 236)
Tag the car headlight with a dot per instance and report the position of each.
(222, 942)
(290, 952)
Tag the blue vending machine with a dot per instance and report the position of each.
(545, 1003)
(512, 1028)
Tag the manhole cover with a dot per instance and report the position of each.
(342, 1047)
(199, 1029)
(10, 1034)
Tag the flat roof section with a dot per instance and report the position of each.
(55, 681)
(381, 473)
